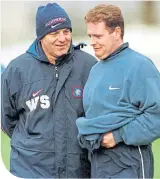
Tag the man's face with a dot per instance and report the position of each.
(57, 43)
(103, 42)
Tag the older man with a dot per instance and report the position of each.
(42, 98)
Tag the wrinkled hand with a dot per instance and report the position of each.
(108, 140)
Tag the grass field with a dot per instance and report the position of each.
(6, 154)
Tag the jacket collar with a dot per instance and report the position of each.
(118, 50)
(37, 52)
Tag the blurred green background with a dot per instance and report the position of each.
(5, 148)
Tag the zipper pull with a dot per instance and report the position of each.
(57, 75)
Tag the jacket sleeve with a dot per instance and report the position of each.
(145, 128)
(9, 115)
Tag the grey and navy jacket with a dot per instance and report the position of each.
(122, 95)
(40, 105)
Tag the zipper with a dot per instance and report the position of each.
(57, 73)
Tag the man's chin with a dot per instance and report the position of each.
(98, 55)
(61, 54)
(64, 53)
(101, 57)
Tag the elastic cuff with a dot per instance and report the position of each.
(117, 136)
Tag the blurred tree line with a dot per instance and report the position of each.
(18, 17)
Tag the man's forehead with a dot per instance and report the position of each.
(96, 28)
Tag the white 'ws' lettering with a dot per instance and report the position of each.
(44, 102)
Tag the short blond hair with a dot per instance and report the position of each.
(110, 14)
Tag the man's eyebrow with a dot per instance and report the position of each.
(96, 35)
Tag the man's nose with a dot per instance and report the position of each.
(61, 37)
(92, 41)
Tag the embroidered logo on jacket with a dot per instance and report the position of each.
(112, 88)
(77, 91)
(42, 100)
(36, 93)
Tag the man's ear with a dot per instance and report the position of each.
(117, 33)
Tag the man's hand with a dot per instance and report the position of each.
(108, 140)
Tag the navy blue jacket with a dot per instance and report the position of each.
(40, 105)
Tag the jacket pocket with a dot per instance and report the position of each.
(32, 143)
(30, 163)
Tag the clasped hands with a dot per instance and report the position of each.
(108, 140)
